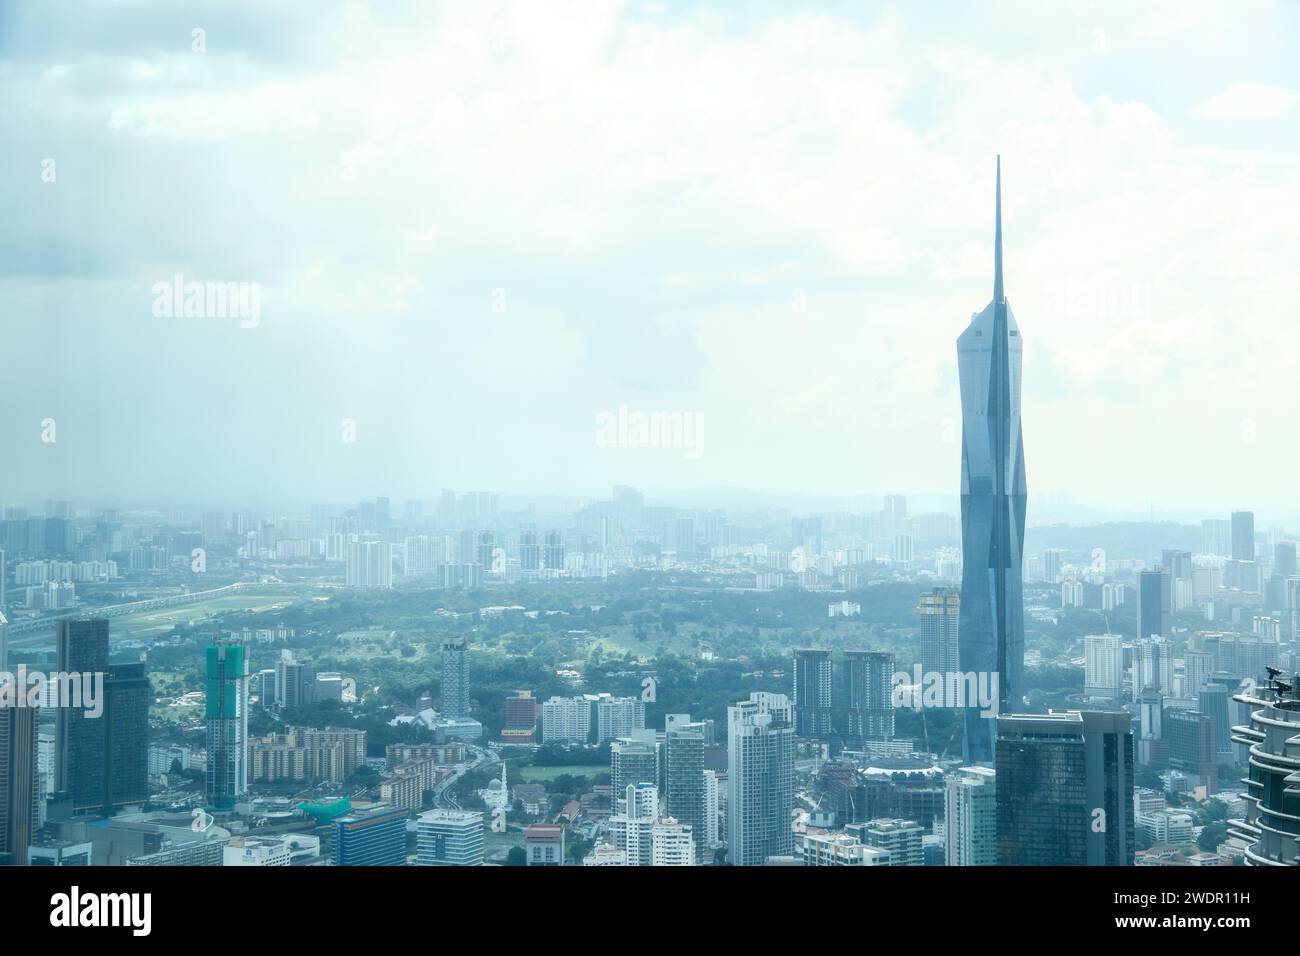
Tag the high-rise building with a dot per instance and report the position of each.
(455, 679)
(127, 695)
(375, 836)
(449, 838)
(553, 553)
(1150, 604)
(1216, 537)
(102, 760)
(868, 696)
(1065, 789)
(971, 818)
(760, 779)
(618, 716)
(295, 683)
(993, 495)
(672, 843)
(684, 792)
(19, 783)
(1153, 666)
(710, 835)
(226, 712)
(567, 720)
(369, 564)
(1243, 536)
(520, 720)
(1197, 668)
(1269, 826)
(900, 838)
(82, 649)
(940, 612)
(630, 829)
(633, 760)
(1193, 746)
(530, 553)
(1103, 666)
(1284, 559)
(812, 693)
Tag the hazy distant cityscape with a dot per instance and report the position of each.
(446, 681)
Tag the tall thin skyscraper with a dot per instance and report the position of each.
(226, 710)
(993, 493)
(760, 779)
(80, 751)
(455, 680)
(1150, 604)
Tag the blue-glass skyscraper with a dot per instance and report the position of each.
(991, 631)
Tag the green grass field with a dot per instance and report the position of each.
(545, 774)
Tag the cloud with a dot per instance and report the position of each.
(1249, 101)
(653, 189)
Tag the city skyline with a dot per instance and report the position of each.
(513, 434)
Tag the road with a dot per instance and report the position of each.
(479, 757)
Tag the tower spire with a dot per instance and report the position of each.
(997, 241)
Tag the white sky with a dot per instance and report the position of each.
(654, 189)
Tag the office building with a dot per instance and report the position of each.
(1065, 789)
(993, 495)
(82, 649)
(102, 760)
(1243, 536)
(1150, 604)
(450, 838)
(125, 729)
(375, 836)
(19, 783)
(1193, 746)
